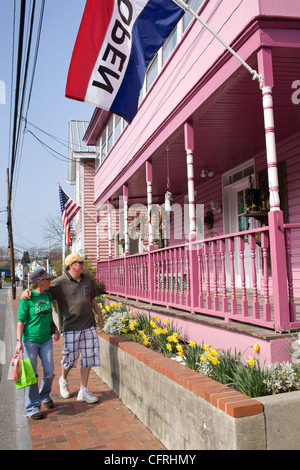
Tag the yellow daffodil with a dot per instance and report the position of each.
(103, 310)
(123, 319)
(107, 307)
(169, 347)
(256, 347)
(124, 330)
(179, 347)
(175, 335)
(205, 347)
(141, 332)
(104, 295)
(215, 360)
(192, 343)
(155, 317)
(202, 358)
(214, 352)
(165, 331)
(166, 320)
(250, 361)
(144, 337)
(134, 311)
(146, 343)
(153, 324)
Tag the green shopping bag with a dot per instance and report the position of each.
(27, 374)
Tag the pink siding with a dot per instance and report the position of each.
(203, 85)
(176, 81)
(89, 223)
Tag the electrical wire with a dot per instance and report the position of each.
(21, 119)
(17, 93)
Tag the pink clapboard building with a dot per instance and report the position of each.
(225, 262)
(81, 171)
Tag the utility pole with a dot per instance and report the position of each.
(10, 240)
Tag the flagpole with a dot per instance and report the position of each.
(63, 251)
(93, 219)
(254, 73)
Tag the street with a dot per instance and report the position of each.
(13, 428)
(7, 388)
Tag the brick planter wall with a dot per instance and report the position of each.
(181, 407)
(187, 410)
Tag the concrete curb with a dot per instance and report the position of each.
(23, 431)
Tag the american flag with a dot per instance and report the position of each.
(68, 209)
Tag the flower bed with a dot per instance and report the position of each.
(247, 376)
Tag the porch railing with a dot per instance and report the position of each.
(226, 276)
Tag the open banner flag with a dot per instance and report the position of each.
(68, 209)
(116, 41)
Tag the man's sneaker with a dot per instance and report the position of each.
(63, 388)
(85, 395)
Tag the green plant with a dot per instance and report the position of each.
(226, 366)
(191, 355)
(250, 379)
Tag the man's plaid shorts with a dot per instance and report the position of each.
(84, 343)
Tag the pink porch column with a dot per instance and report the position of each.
(149, 203)
(109, 229)
(276, 230)
(126, 235)
(189, 148)
(97, 235)
(193, 261)
(151, 263)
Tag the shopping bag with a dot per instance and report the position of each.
(27, 375)
(14, 368)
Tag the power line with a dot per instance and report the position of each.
(17, 93)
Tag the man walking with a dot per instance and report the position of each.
(76, 301)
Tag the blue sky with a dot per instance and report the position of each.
(35, 194)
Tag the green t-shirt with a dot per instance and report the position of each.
(36, 314)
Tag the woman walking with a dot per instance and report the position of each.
(35, 339)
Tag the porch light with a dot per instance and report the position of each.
(205, 172)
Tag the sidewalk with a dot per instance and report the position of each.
(73, 425)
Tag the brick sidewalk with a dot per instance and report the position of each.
(73, 425)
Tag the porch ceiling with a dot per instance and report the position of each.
(228, 132)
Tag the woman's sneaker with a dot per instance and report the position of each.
(85, 395)
(64, 388)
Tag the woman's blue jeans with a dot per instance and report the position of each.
(33, 394)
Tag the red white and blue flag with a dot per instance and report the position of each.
(116, 41)
(68, 209)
